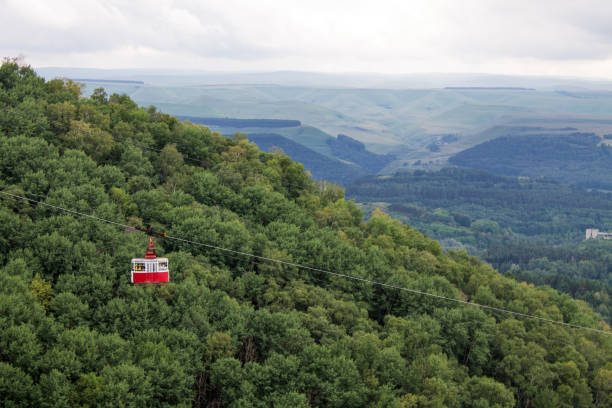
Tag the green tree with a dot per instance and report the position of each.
(95, 142)
(41, 289)
(16, 387)
(483, 392)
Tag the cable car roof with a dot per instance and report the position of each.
(149, 259)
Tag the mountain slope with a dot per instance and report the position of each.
(321, 167)
(231, 330)
(577, 158)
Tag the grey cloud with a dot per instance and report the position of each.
(468, 33)
(548, 30)
(158, 26)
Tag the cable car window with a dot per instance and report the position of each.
(163, 265)
(139, 266)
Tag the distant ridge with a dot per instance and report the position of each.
(488, 88)
(111, 81)
(243, 123)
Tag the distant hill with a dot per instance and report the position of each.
(328, 158)
(347, 148)
(321, 167)
(488, 88)
(104, 81)
(577, 158)
(401, 120)
(325, 80)
(243, 123)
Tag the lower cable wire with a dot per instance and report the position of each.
(314, 269)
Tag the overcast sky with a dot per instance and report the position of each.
(536, 37)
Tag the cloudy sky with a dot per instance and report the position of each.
(541, 37)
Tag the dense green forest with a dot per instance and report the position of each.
(229, 331)
(583, 270)
(481, 209)
(576, 158)
(511, 222)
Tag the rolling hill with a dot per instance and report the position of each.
(338, 159)
(321, 167)
(578, 158)
(389, 115)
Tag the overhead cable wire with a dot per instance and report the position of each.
(325, 271)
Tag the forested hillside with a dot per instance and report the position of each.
(230, 330)
(533, 228)
(577, 158)
(583, 270)
(321, 167)
(482, 209)
(347, 148)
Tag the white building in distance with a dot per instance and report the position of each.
(593, 233)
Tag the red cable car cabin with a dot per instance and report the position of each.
(150, 269)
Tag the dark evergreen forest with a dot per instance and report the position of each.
(485, 209)
(575, 158)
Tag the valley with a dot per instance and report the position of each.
(392, 115)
